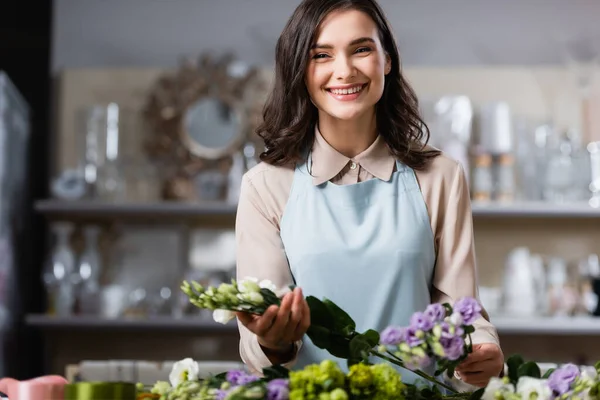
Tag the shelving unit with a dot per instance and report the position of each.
(47, 322)
(505, 325)
(547, 326)
(59, 208)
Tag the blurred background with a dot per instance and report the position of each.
(125, 128)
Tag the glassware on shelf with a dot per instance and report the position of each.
(593, 149)
(89, 270)
(559, 185)
(103, 130)
(58, 275)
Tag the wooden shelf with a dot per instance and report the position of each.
(54, 208)
(535, 210)
(547, 326)
(198, 325)
(60, 208)
(505, 325)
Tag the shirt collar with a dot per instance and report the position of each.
(327, 162)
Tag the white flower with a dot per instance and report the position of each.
(588, 374)
(248, 285)
(267, 284)
(184, 370)
(495, 386)
(526, 386)
(456, 319)
(223, 316)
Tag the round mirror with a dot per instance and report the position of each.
(212, 128)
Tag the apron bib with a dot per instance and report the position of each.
(366, 246)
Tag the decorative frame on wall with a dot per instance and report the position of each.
(199, 118)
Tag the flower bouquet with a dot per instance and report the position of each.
(438, 335)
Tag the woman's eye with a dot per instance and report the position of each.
(363, 49)
(320, 55)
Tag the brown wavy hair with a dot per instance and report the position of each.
(289, 116)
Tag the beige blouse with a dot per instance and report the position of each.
(264, 193)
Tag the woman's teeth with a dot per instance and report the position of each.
(352, 90)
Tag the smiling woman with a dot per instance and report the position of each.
(349, 203)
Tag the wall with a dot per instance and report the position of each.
(431, 32)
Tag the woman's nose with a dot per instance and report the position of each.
(344, 68)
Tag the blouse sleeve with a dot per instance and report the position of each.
(260, 254)
(455, 272)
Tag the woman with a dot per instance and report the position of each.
(347, 202)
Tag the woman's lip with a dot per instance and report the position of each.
(347, 97)
(347, 86)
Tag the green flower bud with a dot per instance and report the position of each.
(226, 289)
(438, 349)
(197, 287)
(338, 394)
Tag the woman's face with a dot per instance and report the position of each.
(347, 66)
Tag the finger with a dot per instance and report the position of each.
(479, 355)
(477, 379)
(263, 324)
(305, 322)
(277, 330)
(244, 317)
(487, 365)
(297, 314)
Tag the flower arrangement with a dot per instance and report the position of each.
(438, 335)
(524, 381)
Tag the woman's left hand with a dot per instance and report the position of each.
(486, 361)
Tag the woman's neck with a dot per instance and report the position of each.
(349, 137)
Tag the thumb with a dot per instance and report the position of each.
(244, 317)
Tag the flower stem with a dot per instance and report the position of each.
(422, 374)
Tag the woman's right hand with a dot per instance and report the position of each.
(280, 326)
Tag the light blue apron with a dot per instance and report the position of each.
(366, 246)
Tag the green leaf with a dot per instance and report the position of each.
(513, 363)
(320, 314)
(469, 329)
(275, 372)
(270, 297)
(320, 336)
(339, 347)
(343, 321)
(548, 373)
(477, 395)
(529, 368)
(360, 348)
(372, 337)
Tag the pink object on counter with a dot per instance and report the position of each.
(50, 387)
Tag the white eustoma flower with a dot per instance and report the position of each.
(267, 284)
(184, 370)
(456, 319)
(248, 285)
(588, 374)
(495, 386)
(223, 316)
(526, 386)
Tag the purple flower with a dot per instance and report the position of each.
(436, 312)
(411, 337)
(392, 336)
(447, 333)
(416, 362)
(237, 377)
(221, 394)
(278, 389)
(421, 321)
(468, 308)
(453, 347)
(562, 378)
